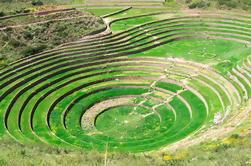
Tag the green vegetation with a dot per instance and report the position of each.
(235, 151)
(170, 97)
(29, 50)
(29, 35)
(135, 92)
(37, 3)
(199, 4)
(105, 7)
(220, 4)
(11, 7)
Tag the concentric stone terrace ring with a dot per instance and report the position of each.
(126, 91)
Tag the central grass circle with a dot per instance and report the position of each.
(127, 122)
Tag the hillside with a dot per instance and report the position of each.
(27, 35)
(233, 151)
(244, 5)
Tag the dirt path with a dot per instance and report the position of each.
(118, 4)
(241, 76)
(235, 79)
(42, 22)
(243, 71)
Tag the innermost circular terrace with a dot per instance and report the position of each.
(127, 121)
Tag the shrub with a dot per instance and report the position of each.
(15, 43)
(100, 21)
(222, 147)
(8, 29)
(199, 4)
(22, 152)
(3, 162)
(28, 35)
(188, 1)
(203, 4)
(22, 10)
(228, 3)
(245, 8)
(60, 27)
(62, 34)
(193, 5)
(29, 50)
(235, 136)
(26, 10)
(5, 38)
(2, 14)
(56, 40)
(37, 3)
(2, 64)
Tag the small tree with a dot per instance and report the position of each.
(37, 3)
(2, 14)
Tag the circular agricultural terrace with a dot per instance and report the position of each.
(143, 83)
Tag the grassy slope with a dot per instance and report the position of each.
(21, 41)
(233, 5)
(11, 6)
(236, 151)
(244, 5)
(217, 50)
